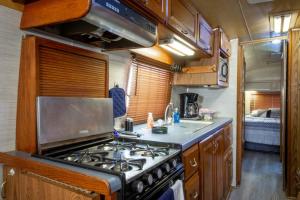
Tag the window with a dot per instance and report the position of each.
(149, 89)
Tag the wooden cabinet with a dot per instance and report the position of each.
(207, 168)
(192, 187)
(182, 16)
(191, 161)
(206, 71)
(158, 7)
(22, 185)
(219, 156)
(225, 45)
(227, 173)
(205, 36)
(215, 167)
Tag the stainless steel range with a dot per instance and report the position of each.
(79, 132)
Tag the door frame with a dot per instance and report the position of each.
(241, 106)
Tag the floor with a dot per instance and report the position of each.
(261, 178)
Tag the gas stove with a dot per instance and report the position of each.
(139, 165)
(79, 132)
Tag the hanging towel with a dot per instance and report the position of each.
(119, 102)
(167, 195)
(178, 190)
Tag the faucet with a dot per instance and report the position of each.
(167, 112)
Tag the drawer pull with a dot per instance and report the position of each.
(195, 196)
(194, 163)
(3, 196)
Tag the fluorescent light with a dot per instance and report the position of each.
(276, 41)
(175, 44)
(286, 23)
(183, 41)
(178, 46)
(166, 47)
(277, 24)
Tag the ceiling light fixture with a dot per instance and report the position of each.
(178, 46)
(282, 23)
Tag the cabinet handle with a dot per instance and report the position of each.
(3, 196)
(194, 163)
(195, 196)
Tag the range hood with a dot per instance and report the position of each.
(108, 24)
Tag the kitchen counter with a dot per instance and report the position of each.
(183, 134)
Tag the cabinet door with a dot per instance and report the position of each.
(219, 165)
(156, 6)
(192, 187)
(9, 190)
(183, 17)
(225, 44)
(191, 161)
(227, 137)
(207, 148)
(205, 37)
(227, 173)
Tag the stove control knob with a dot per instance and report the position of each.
(173, 163)
(137, 186)
(148, 179)
(157, 173)
(166, 167)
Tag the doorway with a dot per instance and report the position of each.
(261, 120)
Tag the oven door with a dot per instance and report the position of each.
(223, 70)
(161, 186)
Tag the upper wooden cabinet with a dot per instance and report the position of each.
(225, 44)
(205, 36)
(183, 17)
(158, 7)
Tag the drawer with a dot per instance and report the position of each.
(227, 136)
(191, 161)
(192, 188)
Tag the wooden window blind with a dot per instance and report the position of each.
(265, 101)
(149, 90)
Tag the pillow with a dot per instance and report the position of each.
(258, 112)
(275, 113)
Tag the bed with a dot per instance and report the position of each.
(262, 131)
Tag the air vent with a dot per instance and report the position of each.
(258, 1)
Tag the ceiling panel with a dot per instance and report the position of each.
(229, 15)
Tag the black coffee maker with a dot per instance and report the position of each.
(188, 105)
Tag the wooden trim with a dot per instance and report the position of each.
(263, 40)
(45, 12)
(240, 114)
(58, 174)
(12, 5)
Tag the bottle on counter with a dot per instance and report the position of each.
(176, 116)
(150, 120)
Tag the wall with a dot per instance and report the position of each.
(10, 44)
(224, 101)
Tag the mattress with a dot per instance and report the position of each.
(262, 130)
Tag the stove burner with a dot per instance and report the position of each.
(149, 151)
(117, 146)
(121, 165)
(86, 157)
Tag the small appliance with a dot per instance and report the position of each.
(188, 105)
(223, 70)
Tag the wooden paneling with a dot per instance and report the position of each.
(11, 4)
(69, 177)
(27, 186)
(191, 161)
(240, 112)
(265, 101)
(44, 12)
(52, 69)
(293, 125)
